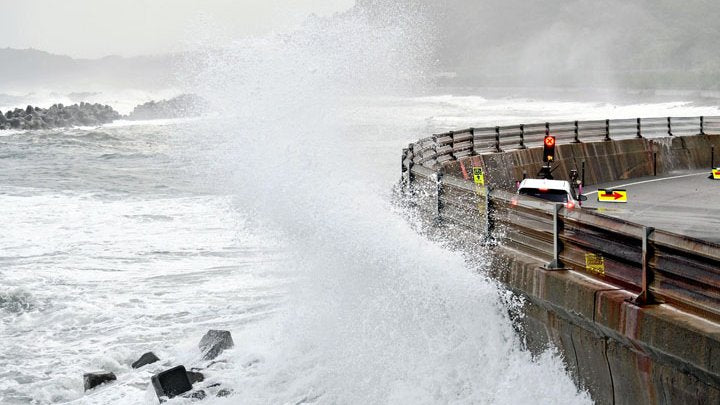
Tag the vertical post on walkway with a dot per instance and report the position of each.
(702, 125)
(637, 126)
(669, 126)
(556, 264)
(646, 297)
(522, 136)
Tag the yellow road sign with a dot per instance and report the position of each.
(716, 174)
(594, 263)
(478, 176)
(615, 196)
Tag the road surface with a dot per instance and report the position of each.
(686, 203)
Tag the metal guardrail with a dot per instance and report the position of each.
(659, 266)
(454, 145)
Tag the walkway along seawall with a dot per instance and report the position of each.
(634, 311)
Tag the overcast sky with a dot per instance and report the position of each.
(96, 28)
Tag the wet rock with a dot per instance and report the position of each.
(195, 376)
(171, 383)
(145, 359)
(224, 392)
(215, 342)
(92, 380)
(199, 394)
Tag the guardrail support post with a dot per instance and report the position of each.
(489, 222)
(712, 157)
(556, 264)
(655, 164)
(669, 125)
(577, 133)
(646, 297)
(497, 140)
(438, 193)
(639, 131)
(522, 136)
(702, 125)
(607, 130)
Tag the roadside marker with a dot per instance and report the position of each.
(716, 174)
(615, 196)
(478, 176)
(594, 263)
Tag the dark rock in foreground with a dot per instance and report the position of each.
(195, 376)
(171, 383)
(215, 342)
(145, 359)
(185, 105)
(92, 380)
(58, 116)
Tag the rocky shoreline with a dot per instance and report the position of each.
(86, 114)
(58, 116)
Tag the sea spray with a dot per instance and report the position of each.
(377, 314)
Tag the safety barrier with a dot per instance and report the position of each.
(657, 265)
(455, 145)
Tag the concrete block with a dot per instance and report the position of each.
(171, 383)
(215, 342)
(92, 380)
(145, 359)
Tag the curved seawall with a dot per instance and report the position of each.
(634, 311)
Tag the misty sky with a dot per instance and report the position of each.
(96, 28)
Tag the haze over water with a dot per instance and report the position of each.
(272, 219)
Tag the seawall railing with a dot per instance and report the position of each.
(455, 145)
(657, 265)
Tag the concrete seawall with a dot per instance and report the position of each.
(620, 352)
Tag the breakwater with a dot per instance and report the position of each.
(640, 328)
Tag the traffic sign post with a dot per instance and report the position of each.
(613, 196)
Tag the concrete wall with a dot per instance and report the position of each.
(619, 352)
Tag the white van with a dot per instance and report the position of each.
(557, 191)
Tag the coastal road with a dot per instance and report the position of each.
(686, 203)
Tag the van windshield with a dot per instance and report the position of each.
(549, 195)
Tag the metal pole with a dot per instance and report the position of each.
(712, 157)
(497, 140)
(522, 136)
(646, 297)
(669, 127)
(607, 130)
(702, 125)
(556, 264)
(639, 132)
(547, 128)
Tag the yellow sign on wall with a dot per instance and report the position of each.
(594, 263)
(615, 196)
(478, 176)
